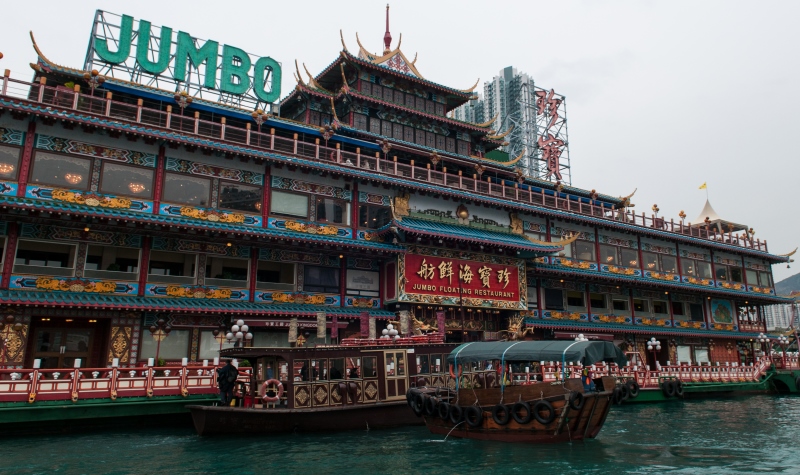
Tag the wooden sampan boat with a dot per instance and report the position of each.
(486, 405)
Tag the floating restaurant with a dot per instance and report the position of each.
(139, 222)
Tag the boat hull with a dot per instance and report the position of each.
(568, 421)
(231, 420)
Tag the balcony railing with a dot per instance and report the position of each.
(190, 123)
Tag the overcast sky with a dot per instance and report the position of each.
(661, 96)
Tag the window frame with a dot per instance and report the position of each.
(68, 271)
(88, 178)
(210, 181)
(308, 198)
(260, 199)
(100, 189)
(15, 174)
(227, 282)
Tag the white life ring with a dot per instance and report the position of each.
(272, 399)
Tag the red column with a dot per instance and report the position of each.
(641, 256)
(27, 158)
(342, 277)
(266, 195)
(144, 265)
(354, 216)
(744, 274)
(8, 259)
(253, 273)
(161, 164)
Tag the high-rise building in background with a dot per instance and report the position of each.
(532, 120)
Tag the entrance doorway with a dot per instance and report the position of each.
(60, 347)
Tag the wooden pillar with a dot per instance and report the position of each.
(144, 265)
(355, 212)
(161, 164)
(8, 259)
(253, 273)
(27, 158)
(342, 277)
(266, 196)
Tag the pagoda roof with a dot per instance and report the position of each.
(437, 229)
(715, 221)
(642, 329)
(204, 305)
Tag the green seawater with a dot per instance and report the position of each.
(757, 434)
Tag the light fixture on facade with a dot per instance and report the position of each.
(73, 178)
(6, 168)
(136, 187)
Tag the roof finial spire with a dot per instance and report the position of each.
(387, 38)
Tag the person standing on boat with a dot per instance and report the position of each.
(587, 378)
(226, 379)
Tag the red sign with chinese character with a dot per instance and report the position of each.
(430, 275)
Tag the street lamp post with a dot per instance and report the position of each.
(654, 346)
(766, 343)
(183, 99)
(783, 342)
(94, 79)
(219, 334)
(159, 331)
(239, 333)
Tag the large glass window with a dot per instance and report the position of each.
(678, 310)
(126, 180)
(722, 272)
(174, 347)
(185, 189)
(608, 255)
(210, 346)
(9, 162)
(554, 299)
(240, 197)
(598, 302)
(641, 306)
(172, 267)
(669, 264)
(102, 260)
(765, 279)
(332, 211)
(660, 307)
(575, 299)
(373, 217)
(620, 305)
(696, 312)
(584, 250)
(697, 269)
(48, 258)
(61, 170)
(752, 277)
(651, 261)
(629, 257)
(736, 274)
(226, 271)
(290, 204)
(275, 275)
(321, 279)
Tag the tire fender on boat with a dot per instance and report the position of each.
(521, 412)
(410, 396)
(668, 389)
(275, 398)
(417, 404)
(797, 383)
(547, 408)
(456, 413)
(616, 396)
(429, 406)
(501, 414)
(474, 416)
(576, 400)
(623, 392)
(678, 388)
(444, 410)
(633, 389)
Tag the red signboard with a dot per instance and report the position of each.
(447, 277)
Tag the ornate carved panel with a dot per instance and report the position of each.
(302, 395)
(320, 395)
(370, 392)
(120, 344)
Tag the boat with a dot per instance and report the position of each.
(492, 396)
(358, 384)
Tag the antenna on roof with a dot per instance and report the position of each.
(387, 38)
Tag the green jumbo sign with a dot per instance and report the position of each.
(237, 74)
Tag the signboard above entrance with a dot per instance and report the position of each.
(140, 52)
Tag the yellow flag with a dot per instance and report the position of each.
(703, 186)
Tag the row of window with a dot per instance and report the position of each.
(410, 134)
(127, 180)
(411, 101)
(48, 258)
(626, 257)
(558, 299)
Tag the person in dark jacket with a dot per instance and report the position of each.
(226, 379)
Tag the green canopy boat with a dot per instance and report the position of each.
(585, 352)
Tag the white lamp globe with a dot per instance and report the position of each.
(240, 322)
(235, 328)
(245, 328)
(384, 332)
(249, 336)
(229, 336)
(239, 335)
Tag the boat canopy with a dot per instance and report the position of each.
(585, 352)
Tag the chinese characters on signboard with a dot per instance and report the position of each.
(450, 277)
